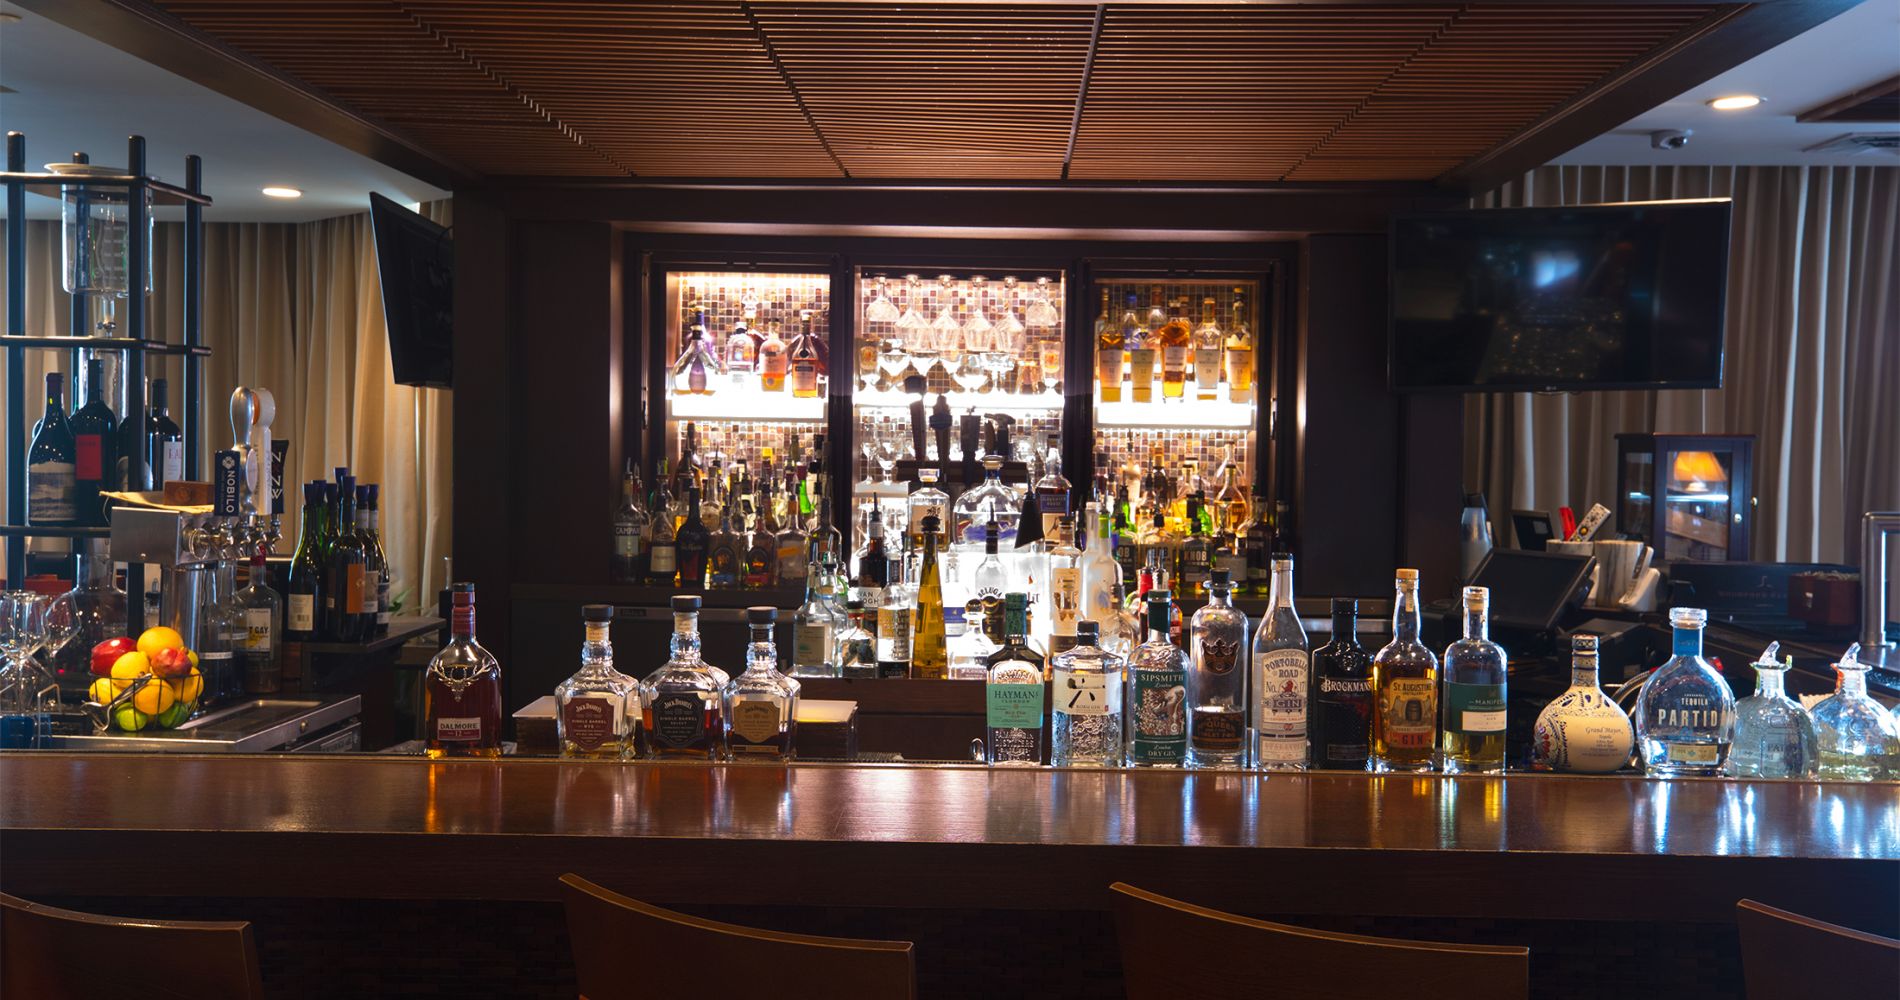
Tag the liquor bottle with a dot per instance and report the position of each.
(662, 557)
(594, 710)
(1258, 544)
(930, 655)
(1109, 341)
(260, 657)
(95, 450)
(1230, 503)
(1285, 539)
(1085, 715)
(1239, 349)
(1128, 551)
(372, 519)
(630, 531)
(1157, 694)
(1774, 735)
(375, 571)
(857, 646)
(1138, 339)
(971, 649)
(223, 635)
(989, 582)
(873, 573)
(1217, 679)
(163, 442)
(815, 631)
(692, 544)
(1858, 739)
(343, 584)
(1174, 338)
(760, 566)
(1404, 688)
(742, 351)
(1685, 713)
(1207, 353)
(1197, 554)
(693, 369)
(807, 362)
(894, 633)
(1282, 673)
(924, 502)
(682, 714)
(1052, 490)
(761, 704)
(304, 581)
(461, 689)
(1102, 590)
(992, 502)
(773, 360)
(1162, 547)
(796, 557)
(1472, 700)
(1339, 720)
(1065, 586)
(1583, 730)
(1013, 692)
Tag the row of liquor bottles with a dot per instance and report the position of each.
(338, 586)
(751, 360)
(1144, 347)
(75, 457)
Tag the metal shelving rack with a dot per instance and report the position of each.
(134, 347)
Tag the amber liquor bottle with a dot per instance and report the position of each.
(461, 690)
(682, 703)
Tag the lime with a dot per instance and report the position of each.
(130, 719)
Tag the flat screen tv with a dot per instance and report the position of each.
(1557, 299)
(416, 261)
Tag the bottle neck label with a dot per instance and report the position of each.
(1688, 642)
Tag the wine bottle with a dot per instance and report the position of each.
(164, 442)
(49, 463)
(95, 450)
(343, 589)
(303, 584)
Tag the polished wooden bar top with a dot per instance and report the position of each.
(922, 835)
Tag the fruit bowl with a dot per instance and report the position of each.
(154, 684)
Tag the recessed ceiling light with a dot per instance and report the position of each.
(282, 192)
(1735, 102)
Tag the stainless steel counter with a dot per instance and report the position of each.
(309, 723)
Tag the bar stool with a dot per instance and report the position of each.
(49, 952)
(625, 949)
(1173, 949)
(1787, 955)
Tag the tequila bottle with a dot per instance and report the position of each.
(857, 646)
(1774, 735)
(1858, 739)
(815, 629)
(1012, 692)
(1685, 714)
(1404, 688)
(1340, 724)
(594, 710)
(1217, 679)
(1207, 353)
(1282, 672)
(1583, 730)
(1065, 586)
(1471, 731)
(1157, 694)
(461, 690)
(761, 704)
(683, 703)
(1085, 714)
(930, 655)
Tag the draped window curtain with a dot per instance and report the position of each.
(1811, 364)
(297, 309)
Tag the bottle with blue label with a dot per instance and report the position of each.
(1685, 714)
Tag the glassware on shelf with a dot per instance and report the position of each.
(1774, 735)
(881, 309)
(1858, 739)
(910, 318)
(976, 324)
(28, 694)
(1685, 713)
(96, 237)
(1041, 311)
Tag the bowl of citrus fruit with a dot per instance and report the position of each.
(153, 683)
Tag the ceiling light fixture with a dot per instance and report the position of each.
(282, 192)
(1735, 102)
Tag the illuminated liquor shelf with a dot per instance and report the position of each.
(1184, 413)
(746, 402)
(960, 402)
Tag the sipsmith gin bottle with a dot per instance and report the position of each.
(1685, 714)
(1774, 735)
(1157, 694)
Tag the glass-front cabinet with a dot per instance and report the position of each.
(1690, 496)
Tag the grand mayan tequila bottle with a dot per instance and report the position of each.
(1685, 714)
(1583, 730)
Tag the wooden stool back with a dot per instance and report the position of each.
(49, 952)
(1786, 956)
(1172, 949)
(625, 949)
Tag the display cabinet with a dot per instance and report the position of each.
(1690, 496)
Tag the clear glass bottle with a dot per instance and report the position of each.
(1085, 715)
(1239, 352)
(1685, 713)
(697, 361)
(461, 690)
(742, 347)
(1053, 488)
(1282, 673)
(630, 532)
(1774, 735)
(1339, 721)
(1174, 338)
(857, 646)
(1157, 694)
(1472, 697)
(1217, 679)
(795, 552)
(1208, 344)
(926, 501)
(970, 650)
(1404, 688)
(221, 637)
(595, 710)
(774, 358)
(1583, 730)
(1137, 338)
(815, 629)
(682, 703)
(894, 621)
(761, 704)
(930, 654)
(262, 655)
(1858, 739)
(1109, 344)
(759, 571)
(1065, 586)
(725, 556)
(992, 502)
(1013, 692)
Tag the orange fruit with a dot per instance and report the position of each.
(189, 687)
(159, 637)
(155, 697)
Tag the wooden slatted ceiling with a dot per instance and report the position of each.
(946, 90)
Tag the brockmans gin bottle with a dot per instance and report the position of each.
(1341, 720)
(1012, 692)
(1685, 714)
(682, 702)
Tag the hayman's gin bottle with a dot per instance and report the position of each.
(1774, 735)
(1012, 692)
(1685, 714)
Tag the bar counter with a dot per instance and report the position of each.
(949, 836)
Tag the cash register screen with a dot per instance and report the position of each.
(1530, 589)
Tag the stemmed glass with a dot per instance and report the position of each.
(1041, 311)
(911, 319)
(1010, 328)
(1051, 354)
(976, 325)
(28, 694)
(881, 309)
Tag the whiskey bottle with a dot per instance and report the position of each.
(461, 690)
(742, 347)
(1108, 354)
(1157, 694)
(1404, 688)
(1207, 353)
(1174, 338)
(1472, 702)
(724, 556)
(1282, 672)
(594, 710)
(1085, 715)
(682, 703)
(1217, 679)
(1052, 490)
(630, 532)
(1013, 692)
(761, 554)
(773, 361)
(761, 704)
(924, 502)
(1139, 342)
(662, 559)
(1583, 730)
(1239, 350)
(1685, 713)
(1341, 720)
(930, 655)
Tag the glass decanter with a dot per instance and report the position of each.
(1774, 735)
(1858, 739)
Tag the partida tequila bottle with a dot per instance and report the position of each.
(1685, 714)
(1282, 669)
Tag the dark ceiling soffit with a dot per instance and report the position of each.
(151, 35)
(1722, 41)
(1844, 108)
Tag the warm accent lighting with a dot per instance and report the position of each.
(1735, 102)
(282, 192)
(1696, 471)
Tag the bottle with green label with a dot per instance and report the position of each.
(1471, 707)
(1012, 692)
(1157, 693)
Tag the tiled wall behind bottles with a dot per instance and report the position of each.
(1131, 451)
(729, 441)
(779, 298)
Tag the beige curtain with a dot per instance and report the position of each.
(1812, 365)
(296, 309)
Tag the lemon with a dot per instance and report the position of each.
(188, 687)
(130, 719)
(159, 637)
(128, 668)
(155, 697)
(102, 691)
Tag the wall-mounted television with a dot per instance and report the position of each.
(1627, 296)
(416, 261)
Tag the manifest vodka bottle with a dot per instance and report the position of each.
(1774, 735)
(1685, 714)
(1471, 732)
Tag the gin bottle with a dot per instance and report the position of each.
(1157, 694)
(594, 710)
(1085, 714)
(1012, 693)
(1685, 714)
(682, 703)
(1774, 735)
(1340, 723)
(1471, 730)
(1282, 672)
(1404, 688)
(1582, 730)
(1858, 739)
(1217, 679)
(761, 704)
